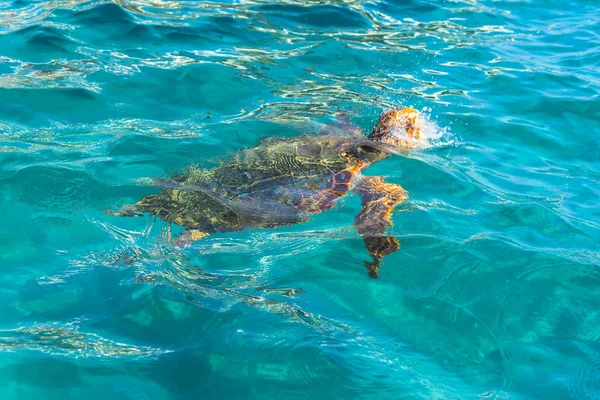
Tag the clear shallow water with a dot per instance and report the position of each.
(494, 294)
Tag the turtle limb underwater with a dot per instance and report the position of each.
(188, 236)
(378, 199)
(283, 181)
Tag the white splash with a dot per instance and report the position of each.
(431, 134)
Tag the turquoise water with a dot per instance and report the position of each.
(493, 295)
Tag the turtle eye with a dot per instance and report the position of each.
(367, 149)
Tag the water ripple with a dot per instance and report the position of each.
(494, 291)
(67, 340)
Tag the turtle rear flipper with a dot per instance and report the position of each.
(378, 199)
(156, 204)
(128, 211)
(189, 236)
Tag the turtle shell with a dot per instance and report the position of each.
(279, 182)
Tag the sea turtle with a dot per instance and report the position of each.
(284, 181)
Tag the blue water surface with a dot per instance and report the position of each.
(495, 293)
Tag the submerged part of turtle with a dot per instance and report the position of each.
(284, 181)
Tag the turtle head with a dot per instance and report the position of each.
(398, 127)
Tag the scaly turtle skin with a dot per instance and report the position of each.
(284, 181)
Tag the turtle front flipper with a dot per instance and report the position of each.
(378, 199)
(343, 122)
